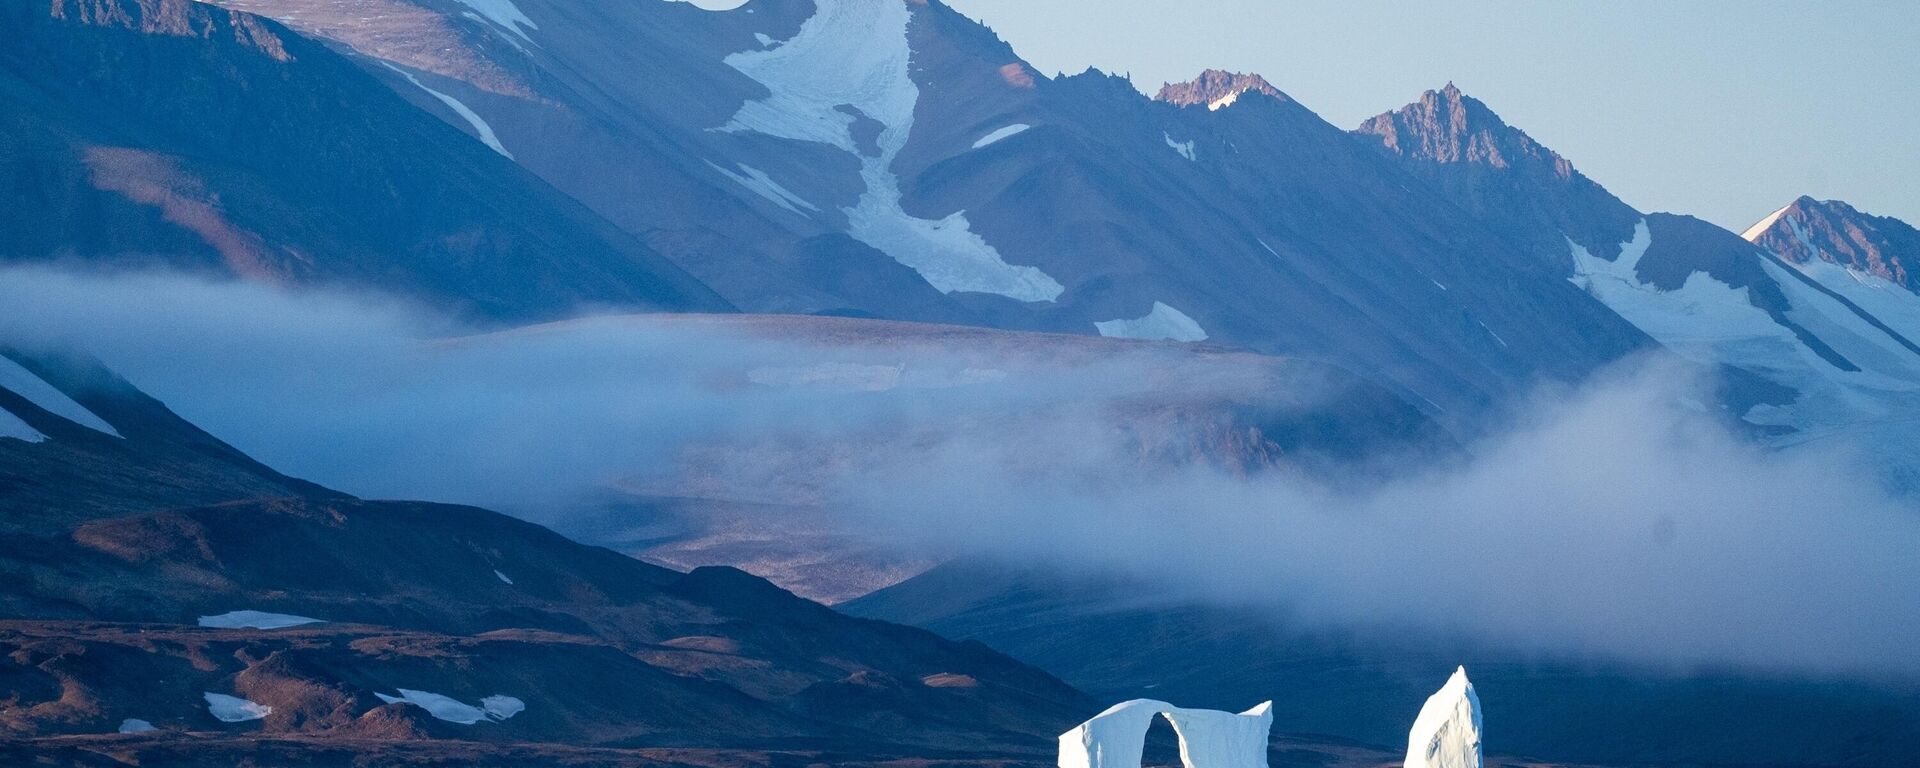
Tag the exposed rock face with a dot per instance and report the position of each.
(1501, 175)
(1810, 230)
(1217, 89)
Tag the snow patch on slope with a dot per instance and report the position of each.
(12, 427)
(449, 709)
(763, 185)
(1163, 323)
(855, 53)
(255, 620)
(504, 14)
(233, 709)
(1002, 133)
(1710, 322)
(1446, 734)
(1185, 148)
(136, 725)
(49, 398)
(713, 5)
(473, 118)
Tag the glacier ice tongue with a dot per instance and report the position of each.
(854, 53)
(1447, 732)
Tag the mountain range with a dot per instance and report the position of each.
(861, 177)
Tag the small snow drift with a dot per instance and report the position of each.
(1447, 732)
(136, 725)
(1209, 738)
(1002, 133)
(491, 709)
(255, 620)
(233, 709)
(1162, 323)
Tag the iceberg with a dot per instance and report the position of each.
(1209, 738)
(1447, 732)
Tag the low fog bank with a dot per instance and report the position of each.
(1612, 521)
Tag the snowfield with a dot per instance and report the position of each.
(854, 53)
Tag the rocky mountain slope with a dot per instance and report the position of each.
(133, 540)
(898, 160)
(151, 133)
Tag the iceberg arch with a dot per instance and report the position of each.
(1447, 732)
(1208, 738)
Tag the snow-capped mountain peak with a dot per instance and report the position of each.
(1808, 231)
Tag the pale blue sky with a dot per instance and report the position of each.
(1718, 108)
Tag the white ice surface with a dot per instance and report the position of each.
(466, 113)
(766, 40)
(449, 709)
(1208, 738)
(1447, 732)
(136, 725)
(1185, 148)
(763, 185)
(49, 398)
(1760, 227)
(1712, 323)
(1001, 133)
(11, 426)
(855, 53)
(1163, 323)
(504, 14)
(233, 709)
(255, 620)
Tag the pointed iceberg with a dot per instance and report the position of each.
(1447, 732)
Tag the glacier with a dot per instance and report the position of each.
(854, 53)
(1209, 738)
(1446, 734)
